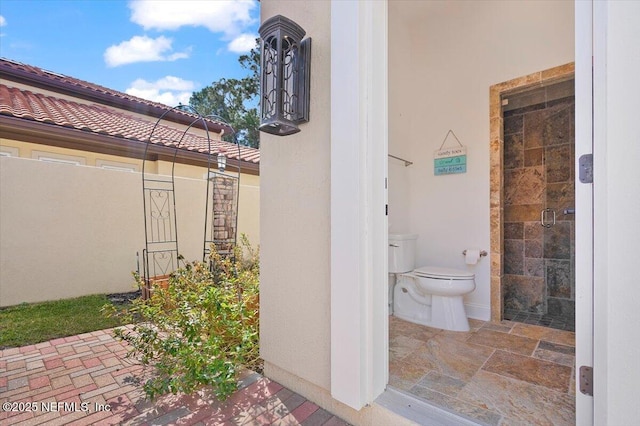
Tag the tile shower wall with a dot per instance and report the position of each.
(539, 173)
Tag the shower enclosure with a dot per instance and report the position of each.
(538, 285)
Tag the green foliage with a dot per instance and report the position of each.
(235, 101)
(200, 329)
(31, 323)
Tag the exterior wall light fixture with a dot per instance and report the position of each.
(222, 159)
(285, 68)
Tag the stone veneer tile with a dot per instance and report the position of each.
(532, 79)
(440, 383)
(466, 409)
(495, 103)
(561, 196)
(406, 373)
(496, 296)
(533, 230)
(525, 100)
(496, 236)
(534, 127)
(531, 370)
(514, 230)
(557, 128)
(496, 128)
(560, 281)
(412, 330)
(533, 267)
(522, 293)
(561, 337)
(513, 151)
(526, 213)
(560, 72)
(400, 346)
(475, 324)
(555, 347)
(519, 403)
(524, 186)
(557, 241)
(555, 357)
(533, 157)
(558, 161)
(514, 257)
(502, 326)
(533, 248)
(505, 341)
(562, 308)
(451, 357)
(513, 125)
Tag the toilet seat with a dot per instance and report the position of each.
(440, 273)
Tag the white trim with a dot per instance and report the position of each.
(117, 166)
(52, 157)
(9, 151)
(359, 334)
(419, 411)
(477, 311)
(584, 204)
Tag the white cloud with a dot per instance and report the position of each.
(243, 43)
(3, 21)
(142, 49)
(230, 18)
(168, 90)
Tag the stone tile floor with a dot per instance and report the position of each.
(543, 320)
(85, 380)
(497, 374)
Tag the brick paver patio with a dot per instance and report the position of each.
(85, 380)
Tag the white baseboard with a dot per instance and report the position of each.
(479, 312)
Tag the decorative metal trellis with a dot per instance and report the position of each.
(161, 255)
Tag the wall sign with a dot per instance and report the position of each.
(447, 161)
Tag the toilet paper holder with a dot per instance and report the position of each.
(483, 253)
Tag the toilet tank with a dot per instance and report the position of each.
(402, 253)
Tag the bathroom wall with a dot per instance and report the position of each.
(399, 127)
(443, 58)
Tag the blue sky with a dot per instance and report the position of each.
(159, 50)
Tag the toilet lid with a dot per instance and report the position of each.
(439, 272)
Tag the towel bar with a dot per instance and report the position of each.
(483, 253)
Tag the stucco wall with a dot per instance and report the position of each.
(68, 230)
(295, 238)
(443, 58)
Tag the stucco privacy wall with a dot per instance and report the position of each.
(295, 251)
(69, 230)
(443, 57)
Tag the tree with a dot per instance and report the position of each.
(235, 101)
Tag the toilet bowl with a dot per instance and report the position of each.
(433, 296)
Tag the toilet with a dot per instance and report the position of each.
(428, 295)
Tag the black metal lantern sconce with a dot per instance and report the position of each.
(285, 66)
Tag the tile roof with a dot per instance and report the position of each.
(35, 76)
(101, 119)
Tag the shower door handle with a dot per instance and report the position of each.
(543, 218)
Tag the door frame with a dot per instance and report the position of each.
(359, 330)
(584, 220)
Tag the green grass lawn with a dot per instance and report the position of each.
(27, 324)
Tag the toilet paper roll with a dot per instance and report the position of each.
(472, 256)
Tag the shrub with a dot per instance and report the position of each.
(200, 329)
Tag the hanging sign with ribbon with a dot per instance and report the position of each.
(447, 161)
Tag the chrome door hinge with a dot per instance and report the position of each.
(585, 164)
(586, 380)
